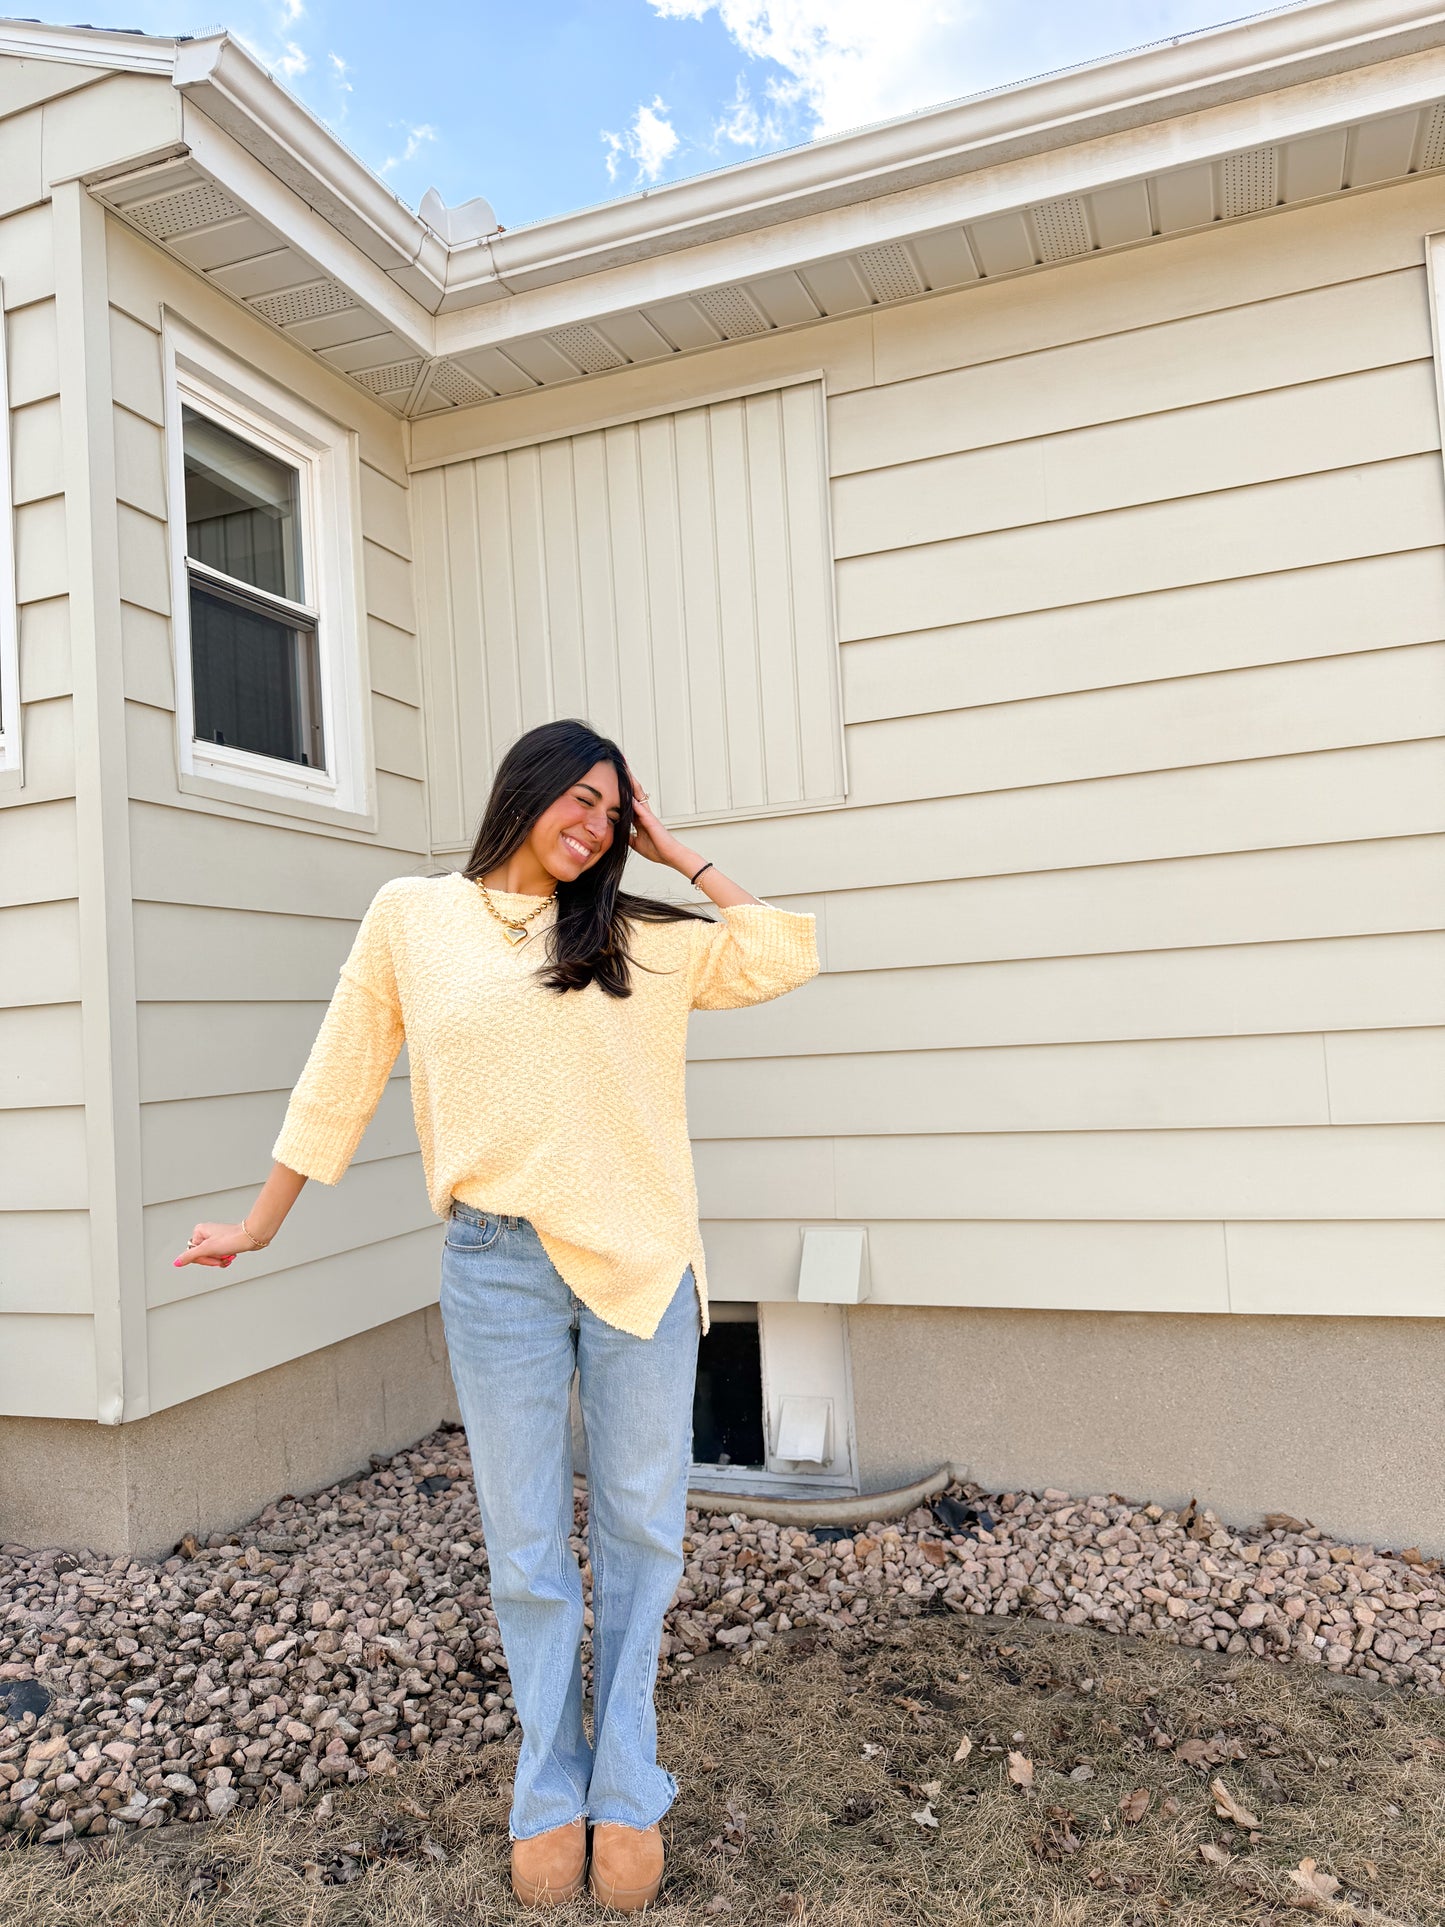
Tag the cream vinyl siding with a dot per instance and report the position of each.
(668, 578)
(47, 1350)
(1134, 975)
(243, 912)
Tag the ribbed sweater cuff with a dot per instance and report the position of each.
(317, 1142)
(780, 941)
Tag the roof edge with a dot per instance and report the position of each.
(140, 53)
(233, 89)
(1155, 83)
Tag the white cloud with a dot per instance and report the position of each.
(288, 64)
(416, 139)
(845, 62)
(339, 71)
(744, 126)
(292, 63)
(650, 142)
(291, 11)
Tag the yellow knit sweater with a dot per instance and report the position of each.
(568, 1110)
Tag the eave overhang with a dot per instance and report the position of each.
(1234, 123)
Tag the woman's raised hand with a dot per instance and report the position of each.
(650, 837)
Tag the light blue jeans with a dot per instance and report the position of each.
(515, 1333)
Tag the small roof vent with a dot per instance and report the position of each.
(1248, 182)
(471, 221)
(1063, 229)
(587, 348)
(308, 303)
(731, 312)
(890, 272)
(455, 385)
(395, 378)
(183, 210)
(1432, 148)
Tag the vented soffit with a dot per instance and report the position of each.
(1128, 92)
(541, 340)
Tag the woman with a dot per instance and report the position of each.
(545, 1013)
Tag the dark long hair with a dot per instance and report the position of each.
(587, 942)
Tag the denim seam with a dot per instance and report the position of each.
(597, 1560)
(564, 1553)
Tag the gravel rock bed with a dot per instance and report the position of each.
(338, 1635)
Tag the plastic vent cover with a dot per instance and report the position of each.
(1063, 229)
(731, 313)
(1432, 148)
(890, 273)
(805, 1430)
(587, 349)
(455, 385)
(392, 379)
(1248, 181)
(290, 305)
(182, 211)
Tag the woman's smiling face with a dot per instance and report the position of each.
(574, 832)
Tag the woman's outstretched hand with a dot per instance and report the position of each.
(218, 1244)
(215, 1244)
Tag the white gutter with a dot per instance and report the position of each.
(986, 193)
(218, 76)
(1157, 83)
(1164, 83)
(132, 53)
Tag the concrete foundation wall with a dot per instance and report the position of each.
(1337, 1420)
(214, 1462)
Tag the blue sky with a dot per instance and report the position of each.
(562, 103)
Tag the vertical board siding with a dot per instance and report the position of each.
(668, 578)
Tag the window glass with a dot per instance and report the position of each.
(242, 509)
(254, 679)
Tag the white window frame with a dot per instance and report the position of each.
(11, 773)
(202, 375)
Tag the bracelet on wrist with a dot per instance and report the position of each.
(257, 1244)
(693, 879)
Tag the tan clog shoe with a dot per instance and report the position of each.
(626, 1865)
(548, 1868)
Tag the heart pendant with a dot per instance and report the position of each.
(515, 936)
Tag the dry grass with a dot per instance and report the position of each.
(802, 1773)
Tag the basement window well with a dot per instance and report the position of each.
(773, 1406)
(727, 1406)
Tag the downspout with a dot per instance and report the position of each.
(109, 1035)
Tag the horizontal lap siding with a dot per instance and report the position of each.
(46, 1343)
(242, 917)
(1132, 925)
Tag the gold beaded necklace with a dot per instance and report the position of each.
(514, 928)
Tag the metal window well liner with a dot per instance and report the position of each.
(824, 1512)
